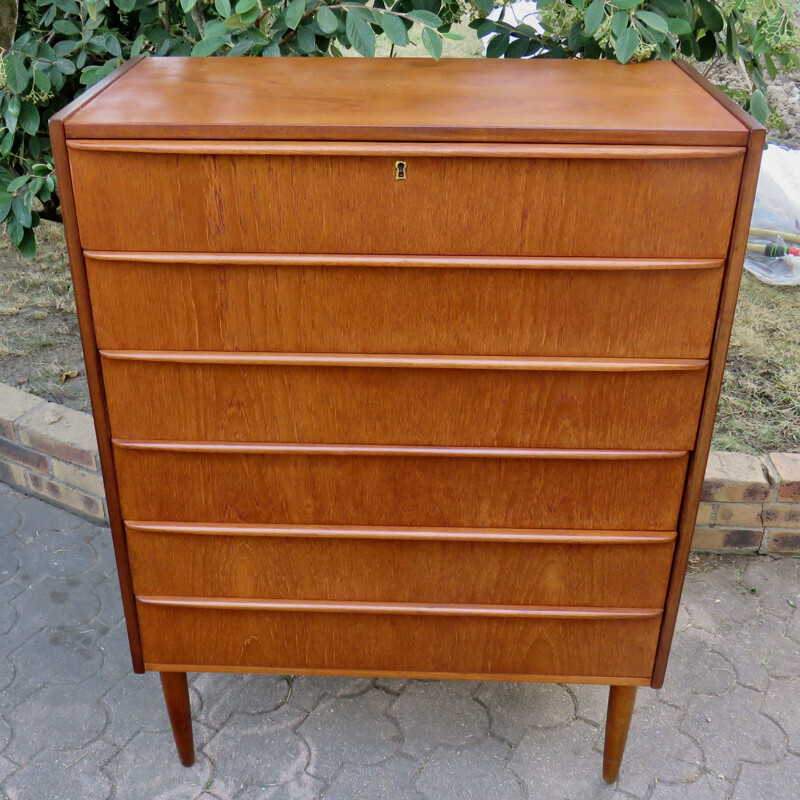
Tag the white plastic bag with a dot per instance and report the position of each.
(776, 212)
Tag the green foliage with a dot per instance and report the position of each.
(760, 35)
(63, 46)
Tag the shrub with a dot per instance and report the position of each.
(56, 48)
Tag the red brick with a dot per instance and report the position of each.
(23, 455)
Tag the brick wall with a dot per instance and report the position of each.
(50, 451)
(750, 503)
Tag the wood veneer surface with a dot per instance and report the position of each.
(412, 99)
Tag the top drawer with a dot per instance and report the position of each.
(295, 197)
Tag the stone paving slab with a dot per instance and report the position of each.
(76, 724)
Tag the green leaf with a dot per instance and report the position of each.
(16, 74)
(432, 42)
(66, 27)
(207, 47)
(710, 15)
(126, 6)
(294, 13)
(487, 5)
(15, 230)
(21, 211)
(29, 118)
(425, 18)
(306, 40)
(67, 67)
(17, 183)
(27, 246)
(41, 80)
(6, 143)
(671, 8)
(758, 106)
(498, 45)
(113, 45)
(626, 4)
(594, 16)
(326, 20)
(359, 34)
(654, 21)
(394, 29)
(245, 5)
(223, 8)
(626, 45)
(619, 22)
(272, 50)
(188, 5)
(518, 48)
(678, 27)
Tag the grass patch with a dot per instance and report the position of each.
(759, 409)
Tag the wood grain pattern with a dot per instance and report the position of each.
(496, 404)
(437, 149)
(596, 208)
(335, 567)
(621, 700)
(176, 696)
(698, 461)
(436, 306)
(413, 100)
(91, 357)
(413, 644)
(408, 487)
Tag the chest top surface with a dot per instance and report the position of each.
(475, 100)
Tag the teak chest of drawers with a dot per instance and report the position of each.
(405, 368)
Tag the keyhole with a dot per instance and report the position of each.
(400, 170)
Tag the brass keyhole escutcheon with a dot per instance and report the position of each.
(400, 171)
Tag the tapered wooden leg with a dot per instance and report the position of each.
(176, 695)
(618, 720)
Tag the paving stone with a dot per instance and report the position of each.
(309, 690)
(782, 704)
(260, 749)
(561, 764)
(103, 545)
(780, 782)
(133, 704)
(61, 656)
(392, 685)
(58, 602)
(516, 707)
(775, 582)
(68, 775)
(731, 729)
(115, 652)
(793, 631)
(695, 669)
(5, 734)
(473, 773)
(705, 602)
(430, 714)
(390, 779)
(8, 613)
(350, 731)
(147, 768)
(676, 759)
(38, 516)
(10, 519)
(9, 565)
(59, 554)
(591, 702)
(57, 717)
(247, 694)
(7, 674)
(7, 769)
(303, 787)
(706, 787)
(768, 652)
(108, 593)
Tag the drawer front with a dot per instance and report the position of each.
(445, 306)
(413, 644)
(249, 199)
(432, 401)
(402, 566)
(398, 486)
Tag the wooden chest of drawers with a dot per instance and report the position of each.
(405, 368)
